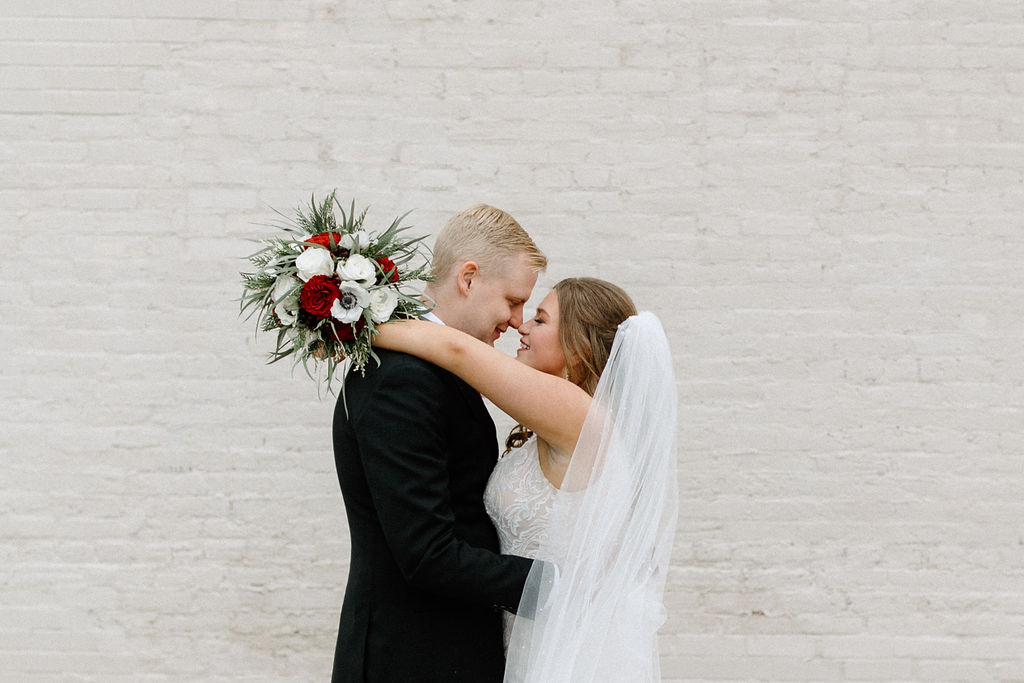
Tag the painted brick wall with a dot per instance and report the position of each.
(822, 200)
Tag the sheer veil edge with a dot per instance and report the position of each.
(596, 599)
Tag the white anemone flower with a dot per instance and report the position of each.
(349, 307)
(286, 294)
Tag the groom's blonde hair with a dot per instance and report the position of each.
(486, 235)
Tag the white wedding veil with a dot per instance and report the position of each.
(596, 600)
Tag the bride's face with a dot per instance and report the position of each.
(539, 347)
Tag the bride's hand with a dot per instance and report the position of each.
(319, 352)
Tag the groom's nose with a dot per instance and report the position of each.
(516, 319)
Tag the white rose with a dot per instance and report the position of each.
(382, 304)
(358, 269)
(354, 241)
(348, 308)
(286, 294)
(314, 261)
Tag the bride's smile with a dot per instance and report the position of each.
(539, 345)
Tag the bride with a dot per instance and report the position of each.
(588, 481)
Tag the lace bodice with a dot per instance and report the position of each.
(518, 499)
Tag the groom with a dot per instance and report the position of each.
(413, 455)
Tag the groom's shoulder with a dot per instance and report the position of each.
(398, 365)
(400, 377)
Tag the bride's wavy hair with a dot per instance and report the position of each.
(589, 313)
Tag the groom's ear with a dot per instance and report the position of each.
(466, 274)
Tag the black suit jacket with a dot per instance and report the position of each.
(425, 578)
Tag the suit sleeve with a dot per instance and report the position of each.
(403, 447)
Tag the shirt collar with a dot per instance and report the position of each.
(429, 315)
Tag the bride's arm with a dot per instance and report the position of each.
(554, 408)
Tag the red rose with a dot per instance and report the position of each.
(324, 239)
(387, 266)
(343, 331)
(318, 295)
(340, 331)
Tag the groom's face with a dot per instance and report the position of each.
(497, 299)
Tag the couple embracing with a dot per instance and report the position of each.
(548, 563)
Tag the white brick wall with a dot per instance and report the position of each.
(822, 200)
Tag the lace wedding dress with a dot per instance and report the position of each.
(518, 499)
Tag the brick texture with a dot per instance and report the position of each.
(822, 200)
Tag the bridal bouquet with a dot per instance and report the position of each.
(326, 284)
